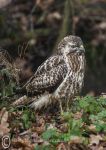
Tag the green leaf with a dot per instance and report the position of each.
(44, 147)
(76, 127)
(50, 133)
(83, 104)
(102, 114)
(65, 137)
(67, 115)
(26, 119)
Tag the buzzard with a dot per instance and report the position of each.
(61, 75)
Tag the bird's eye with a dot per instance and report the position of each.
(72, 45)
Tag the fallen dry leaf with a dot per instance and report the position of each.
(78, 115)
(75, 140)
(95, 139)
(22, 143)
(64, 127)
(92, 128)
(40, 125)
(3, 122)
(40, 129)
(61, 146)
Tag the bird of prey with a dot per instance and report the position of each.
(61, 75)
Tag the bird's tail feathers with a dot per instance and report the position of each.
(43, 101)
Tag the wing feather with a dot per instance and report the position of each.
(49, 64)
(48, 80)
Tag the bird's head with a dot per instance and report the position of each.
(71, 45)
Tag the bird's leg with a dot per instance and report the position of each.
(57, 97)
(69, 100)
(67, 104)
(60, 104)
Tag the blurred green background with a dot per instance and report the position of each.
(31, 29)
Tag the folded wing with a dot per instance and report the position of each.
(48, 76)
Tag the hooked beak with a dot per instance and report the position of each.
(81, 50)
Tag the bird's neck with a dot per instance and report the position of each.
(75, 62)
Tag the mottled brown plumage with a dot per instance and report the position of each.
(60, 75)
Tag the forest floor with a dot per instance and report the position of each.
(82, 127)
